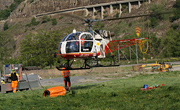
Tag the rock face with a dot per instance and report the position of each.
(29, 8)
(5, 3)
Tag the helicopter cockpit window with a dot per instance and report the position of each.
(86, 42)
(72, 44)
(73, 36)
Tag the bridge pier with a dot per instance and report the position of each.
(94, 10)
(102, 12)
(149, 1)
(139, 4)
(111, 9)
(86, 12)
(130, 7)
(120, 12)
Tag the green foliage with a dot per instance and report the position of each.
(155, 18)
(45, 19)
(31, 1)
(154, 45)
(5, 26)
(13, 6)
(99, 25)
(34, 22)
(117, 15)
(130, 24)
(38, 49)
(176, 11)
(11, 61)
(116, 94)
(4, 14)
(174, 26)
(4, 48)
(18, 1)
(54, 21)
(171, 44)
(60, 17)
(154, 22)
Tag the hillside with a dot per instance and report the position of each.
(20, 22)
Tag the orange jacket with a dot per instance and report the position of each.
(65, 73)
(82, 41)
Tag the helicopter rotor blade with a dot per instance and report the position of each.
(150, 14)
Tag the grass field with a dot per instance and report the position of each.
(117, 94)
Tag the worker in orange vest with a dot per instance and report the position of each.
(66, 76)
(14, 80)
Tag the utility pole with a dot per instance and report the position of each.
(136, 54)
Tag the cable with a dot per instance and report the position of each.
(141, 45)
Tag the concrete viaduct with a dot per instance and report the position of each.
(100, 7)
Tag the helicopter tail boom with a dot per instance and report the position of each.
(119, 44)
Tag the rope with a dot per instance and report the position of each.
(141, 46)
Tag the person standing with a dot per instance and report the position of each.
(14, 80)
(66, 76)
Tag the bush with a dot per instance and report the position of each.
(54, 21)
(60, 17)
(5, 26)
(4, 14)
(18, 1)
(31, 1)
(176, 11)
(154, 22)
(45, 19)
(34, 22)
(174, 26)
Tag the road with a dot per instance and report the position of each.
(85, 79)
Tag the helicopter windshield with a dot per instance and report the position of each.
(73, 43)
(77, 42)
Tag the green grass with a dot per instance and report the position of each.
(112, 95)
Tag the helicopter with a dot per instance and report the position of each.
(92, 44)
(95, 44)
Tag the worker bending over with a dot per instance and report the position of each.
(66, 76)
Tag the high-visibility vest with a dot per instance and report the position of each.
(82, 41)
(65, 73)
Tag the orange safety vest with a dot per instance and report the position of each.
(82, 41)
(65, 73)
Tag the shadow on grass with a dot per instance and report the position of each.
(83, 87)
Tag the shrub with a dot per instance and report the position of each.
(54, 21)
(174, 26)
(60, 17)
(45, 19)
(34, 22)
(154, 22)
(5, 26)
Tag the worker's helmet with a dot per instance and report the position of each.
(12, 70)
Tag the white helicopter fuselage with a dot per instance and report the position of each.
(83, 45)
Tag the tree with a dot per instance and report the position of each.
(38, 49)
(176, 11)
(155, 8)
(171, 44)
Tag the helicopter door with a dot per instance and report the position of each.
(86, 42)
(63, 48)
